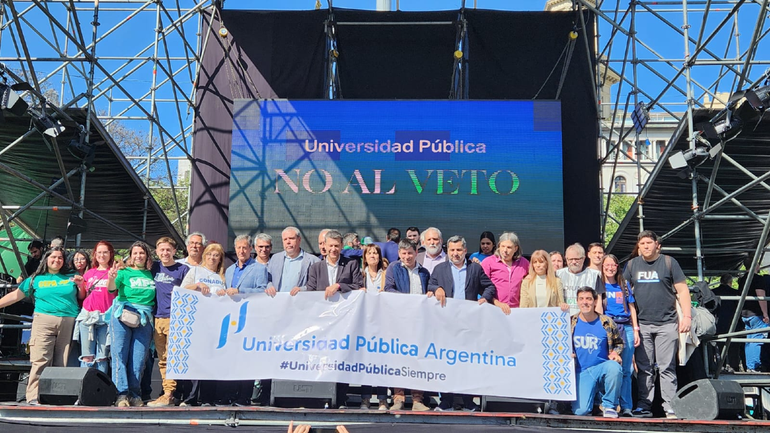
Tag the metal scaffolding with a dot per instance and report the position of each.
(136, 62)
(133, 63)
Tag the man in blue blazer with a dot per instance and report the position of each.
(335, 273)
(407, 276)
(246, 275)
(397, 276)
(287, 271)
(463, 280)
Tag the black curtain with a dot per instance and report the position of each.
(511, 55)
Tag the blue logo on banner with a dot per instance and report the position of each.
(226, 323)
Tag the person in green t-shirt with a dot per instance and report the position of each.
(130, 342)
(56, 296)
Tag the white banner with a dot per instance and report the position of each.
(388, 339)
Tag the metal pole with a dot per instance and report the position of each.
(640, 208)
(153, 115)
(12, 239)
(691, 139)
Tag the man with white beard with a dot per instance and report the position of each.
(434, 254)
(573, 277)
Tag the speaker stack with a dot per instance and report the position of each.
(63, 386)
(709, 399)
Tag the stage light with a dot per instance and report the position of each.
(691, 158)
(11, 101)
(47, 125)
(83, 151)
(759, 99)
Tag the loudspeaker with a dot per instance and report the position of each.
(709, 399)
(295, 389)
(70, 385)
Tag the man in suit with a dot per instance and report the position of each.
(334, 273)
(434, 254)
(409, 277)
(288, 270)
(245, 275)
(459, 279)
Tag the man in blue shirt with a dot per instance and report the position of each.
(598, 348)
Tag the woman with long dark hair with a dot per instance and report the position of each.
(619, 305)
(56, 295)
(486, 247)
(92, 324)
(374, 281)
(79, 262)
(131, 322)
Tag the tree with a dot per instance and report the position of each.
(619, 206)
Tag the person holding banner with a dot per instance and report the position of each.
(507, 268)
(245, 275)
(598, 348)
(287, 271)
(209, 279)
(131, 322)
(407, 276)
(335, 273)
(463, 280)
(374, 276)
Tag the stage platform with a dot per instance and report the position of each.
(19, 417)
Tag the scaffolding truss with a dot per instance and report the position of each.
(135, 62)
(132, 64)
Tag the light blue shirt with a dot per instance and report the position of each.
(290, 274)
(239, 270)
(458, 275)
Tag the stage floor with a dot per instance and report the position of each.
(20, 418)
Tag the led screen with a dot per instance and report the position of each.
(365, 166)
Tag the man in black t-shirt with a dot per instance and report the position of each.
(657, 280)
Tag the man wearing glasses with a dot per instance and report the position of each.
(573, 277)
(263, 243)
(195, 243)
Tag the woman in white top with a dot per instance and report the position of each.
(209, 277)
(374, 268)
(374, 280)
(540, 288)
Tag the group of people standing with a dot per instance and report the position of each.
(116, 308)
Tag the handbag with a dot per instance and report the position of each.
(130, 318)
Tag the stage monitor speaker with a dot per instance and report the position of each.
(70, 385)
(709, 399)
(295, 389)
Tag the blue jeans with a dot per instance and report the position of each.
(626, 399)
(606, 377)
(129, 352)
(97, 348)
(754, 350)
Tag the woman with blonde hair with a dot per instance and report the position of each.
(540, 288)
(209, 276)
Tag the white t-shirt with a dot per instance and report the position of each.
(199, 274)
